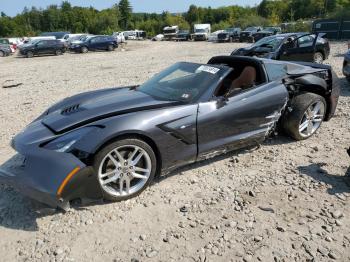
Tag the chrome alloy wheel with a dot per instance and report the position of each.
(125, 170)
(312, 119)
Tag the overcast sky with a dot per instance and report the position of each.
(13, 7)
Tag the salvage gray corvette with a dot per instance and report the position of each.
(111, 143)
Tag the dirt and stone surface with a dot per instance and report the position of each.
(284, 201)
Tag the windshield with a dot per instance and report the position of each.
(183, 82)
(272, 42)
(169, 31)
(184, 31)
(200, 30)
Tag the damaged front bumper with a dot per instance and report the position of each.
(50, 177)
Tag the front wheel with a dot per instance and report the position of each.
(84, 50)
(58, 52)
(2, 54)
(318, 58)
(30, 54)
(110, 48)
(125, 168)
(305, 117)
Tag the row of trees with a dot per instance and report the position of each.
(65, 17)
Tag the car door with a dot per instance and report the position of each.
(41, 47)
(241, 120)
(93, 43)
(302, 50)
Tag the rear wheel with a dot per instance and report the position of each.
(30, 54)
(84, 49)
(2, 54)
(125, 168)
(306, 116)
(110, 48)
(58, 52)
(318, 58)
(231, 39)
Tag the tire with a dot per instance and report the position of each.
(2, 54)
(103, 164)
(318, 58)
(110, 48)
(299, 123)
(231, 39)
(84, 50)
(348, 78)
(58, 52)
(30, 54)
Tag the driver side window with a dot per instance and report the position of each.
(238, 81)
(305, 41)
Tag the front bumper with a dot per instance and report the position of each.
(46, 175)
(75, 48)
(346, 66)
(200, 37)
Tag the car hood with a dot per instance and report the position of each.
(88, 107)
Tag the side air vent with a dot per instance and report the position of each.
(70, 110)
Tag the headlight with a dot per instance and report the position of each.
(65, 142)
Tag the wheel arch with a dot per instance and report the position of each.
(318, 90)
(135, 135)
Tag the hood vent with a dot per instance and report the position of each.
(70, 110)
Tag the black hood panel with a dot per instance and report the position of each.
(88, 107)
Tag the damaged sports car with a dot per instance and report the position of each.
(111, 143)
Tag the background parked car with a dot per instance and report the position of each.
(213, 37)
(6, 41)
(289, 47)
(267, 31)
(229, 35)
(100, 42)
(5, 50)
(183, 35)
(42, 47)
(247, 34)
(346, 65)
(75, 38)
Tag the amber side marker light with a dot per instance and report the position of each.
(66, 180)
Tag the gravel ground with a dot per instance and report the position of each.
(284, 201)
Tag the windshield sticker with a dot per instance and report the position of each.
(208, 69)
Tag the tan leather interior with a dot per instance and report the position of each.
(245, 80)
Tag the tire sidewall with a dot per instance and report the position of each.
(30, 54)
(110, 48)
(108, 148)
(318, 54)
(300, 103)
(84, 49)
(2, 54)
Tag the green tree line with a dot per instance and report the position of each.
(66, 17)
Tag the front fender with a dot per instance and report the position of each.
(173, 130)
